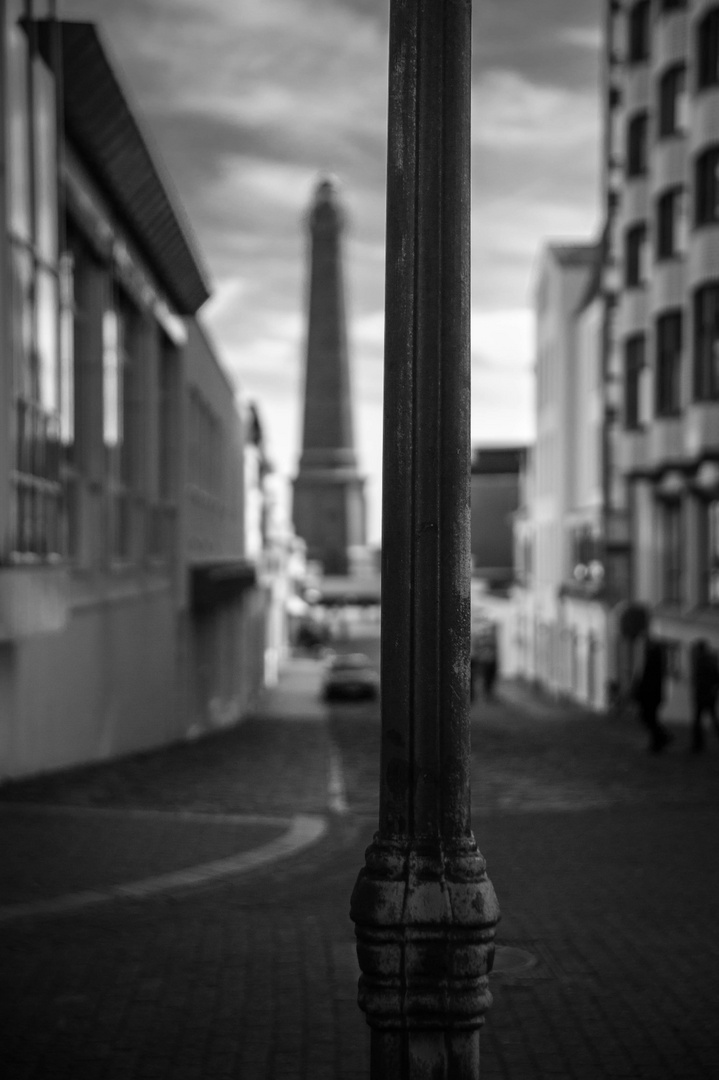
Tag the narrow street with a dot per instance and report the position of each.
(185, 915)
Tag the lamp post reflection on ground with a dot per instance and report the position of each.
(423, 907)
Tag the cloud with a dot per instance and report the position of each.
(512, 113)
(583, 37)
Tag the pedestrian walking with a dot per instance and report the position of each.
(648, 690)
(489, 663)
(705, 686)
(484, 659)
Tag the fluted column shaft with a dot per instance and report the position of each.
(423, 906)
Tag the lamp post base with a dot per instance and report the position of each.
(424, 919)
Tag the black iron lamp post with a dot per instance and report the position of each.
(423, 907)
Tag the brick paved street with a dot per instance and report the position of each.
(604, 859)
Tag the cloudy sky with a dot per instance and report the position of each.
(247, 102)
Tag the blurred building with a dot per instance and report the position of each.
(661, 274)
(129, 615)
(562, 631)
(223, 605)
(495, 500)
(328, 501)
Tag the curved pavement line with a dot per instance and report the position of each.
(197, 817)
(304, 830)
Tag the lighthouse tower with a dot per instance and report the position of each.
(328, 503)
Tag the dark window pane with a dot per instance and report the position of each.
(707, 187)
(633, 368)
(706, 343)
(712, 553)
(669, 355)
(635, 256)
(639, 31)
(637, 145)
(671, 224)
(707, 44)
(672, 101)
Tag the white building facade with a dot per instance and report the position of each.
(562, 613)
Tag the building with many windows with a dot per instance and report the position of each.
(661, 272)
(561, 597)
(129, 614)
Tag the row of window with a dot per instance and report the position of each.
(706, 186)
(706, 41)
(92, 375)
(38, 421)
(97, 423)
(672, 119)
(671, 221)
(669, 334)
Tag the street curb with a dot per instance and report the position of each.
(304, 830)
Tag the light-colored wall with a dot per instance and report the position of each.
(560, 642)
(223, 647)
(214, 521)
(102, 686)
(558, 425)
(99, 651)
(587, 409)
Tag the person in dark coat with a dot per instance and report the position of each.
(648, 691)
(489, 664)
(705, 684)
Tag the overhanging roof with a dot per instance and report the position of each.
(220, 582)
(487, 460)
(101, 125)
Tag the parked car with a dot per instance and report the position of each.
(350, 675)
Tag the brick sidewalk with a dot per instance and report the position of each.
(603, 858)
(61, 838)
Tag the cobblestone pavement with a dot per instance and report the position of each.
(604, 859)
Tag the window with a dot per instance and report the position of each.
(634, 375)
(36, 498)
(637, 144)
(707, 45)
(711, 562)
(707, 187)
(706, 343)
(673, 102)
(205, 457)
(639, 31)
(669, 357)
(122, 426)
(671, 562)
(671, 224)
(636, 256)
(160, 527)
